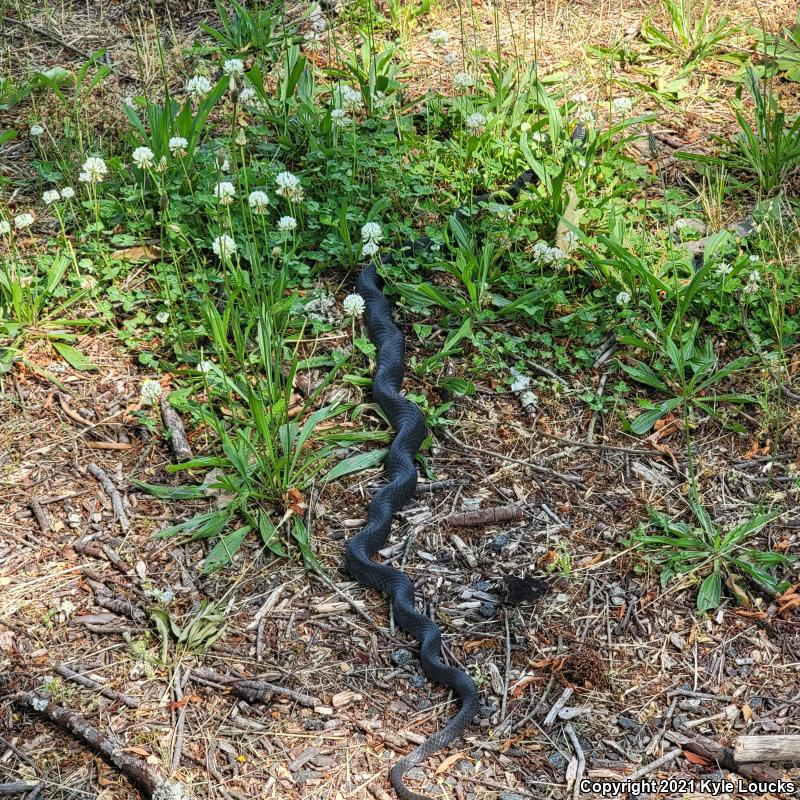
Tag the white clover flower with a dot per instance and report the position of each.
(150, 392)
(438, 37)
(241, 138)
(621, 104)
(340, 119)
(258, 201)
(36, 129)
(555, 254)
(93, 170)
(205, 367)
(177, 146)
(25, 220)
(198, 86)
(247, 94)
(353, 305)
(525, 127)
(369, 249)
(88, 282)
(162, 317)
(475, 122)
(225, 191)
(143, 157)
(754, 276)
(351, 98)
(5, 227)
(723, 269)
(223, 246)
(751, 287)
(623, 298)
(67, 193)
(450, 58)
(287, 224)
(225, 166)
(754, 259)
(371, 232)
(51, 196)
(233, 66)
(463, 80)
(289, 186)
(541, 251)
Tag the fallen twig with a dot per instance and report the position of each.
(749, 749)
(177, 748)
(41, 515)
(253, 690)
(176, 434)
(654, 765)
(89, 683)
(113, 493)
(576, 745)
(133, 768)
(557, 706)
(16, 787)
(486, 516)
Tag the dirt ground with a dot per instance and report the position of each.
(547, 608)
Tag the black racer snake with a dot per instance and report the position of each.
(409, 422)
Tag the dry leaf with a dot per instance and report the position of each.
(139, 253)
(693, 758)
(448, 762)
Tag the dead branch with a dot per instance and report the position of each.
(134, 769)
(40, 514)
(486, 516)
(252, 690)
(749, 749)
(113, 493)
(89, 683)
(16, 787)
(176, 434)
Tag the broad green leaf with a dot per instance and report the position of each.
(225, 549)
(73, 356)
(710, 592)
(356, 463)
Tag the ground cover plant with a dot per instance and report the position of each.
(606, 362)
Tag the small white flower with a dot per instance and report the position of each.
(289, 186)
(723, 269)
(258, 201)
(463, 80)
(754, 276)
(51, 196)
(225, 191)
(162, 317)
(438, 37)
(556, 254)
(5, 227)
(198, 86)
(371, 232)
(351, 99)
(450, 58)
(205, 367)
(143, 157)
(340, 119)
(369, 249)
(67, 608)
(541, 251)
(475, 122)
(93, 170)
(247, 94)
(751, 287)
(22, 221)
(241, 138)
(223, 246)
(353, 305)
(225, 166)
(88, 282)
(36, 129)
(754, 259)
(177, 146)
(67, 193)
(539, 137)
(582, 163)
(233, 66)
(163, 596)
(287, 223)
(525, 127)
(571, 238)
(623, 298)
(621, 104)
(128, 102)
(150, 392)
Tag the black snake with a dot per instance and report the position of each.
(409, 423)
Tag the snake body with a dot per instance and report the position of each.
(409, 424)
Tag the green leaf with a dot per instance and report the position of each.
(710, 592)
(356, 463)
(224, 550)
(73, 356)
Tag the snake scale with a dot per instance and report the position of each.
(409, 424)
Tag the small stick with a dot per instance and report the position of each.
(484, 516)
(42, 517)
(260, 640)
(176, 434)
(16, 787)
(449, 483)
(557, 706)
(84, 680)
(654, 765)
(749, 749)
(134, 769)
(179, 725)
(113, 493)
(95, 444)
(573, 737)
(464, 550)
(253, 691)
